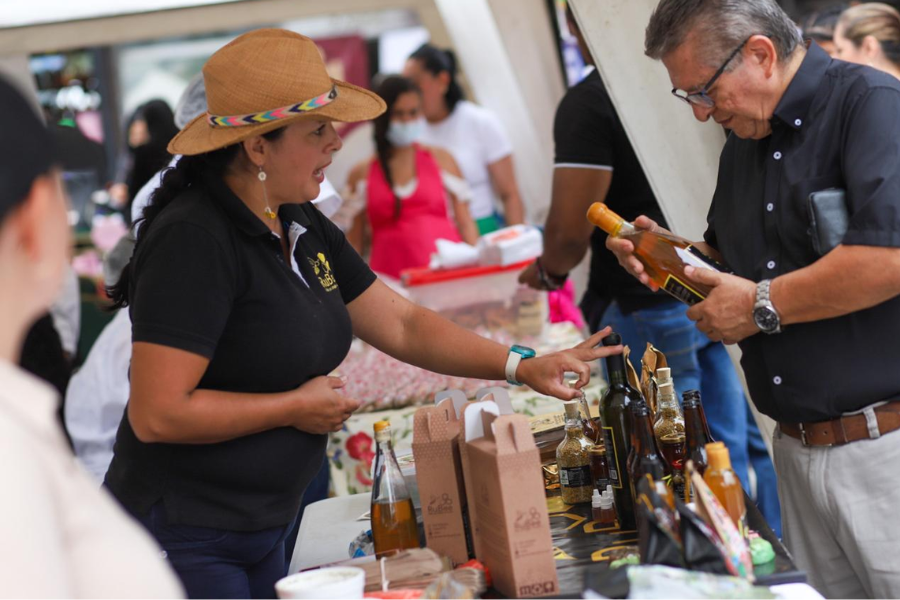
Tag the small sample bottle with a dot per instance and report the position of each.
(607, 513)
(724, 483)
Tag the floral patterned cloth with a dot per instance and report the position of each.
(352, 450)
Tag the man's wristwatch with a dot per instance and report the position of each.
(764, 314)
(516, 355)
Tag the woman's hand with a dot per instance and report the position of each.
(544, 374)
(624, 251)
(320, 407)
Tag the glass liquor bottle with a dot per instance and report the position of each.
(616, 420)
(393, 516)
(574, 459)
(723, 482)
(669, 431)
(663, 255)
(696, 431)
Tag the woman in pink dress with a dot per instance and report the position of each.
(414, 195)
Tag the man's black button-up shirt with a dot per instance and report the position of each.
(837, 126)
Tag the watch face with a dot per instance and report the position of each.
(766, 319)
(523, 351)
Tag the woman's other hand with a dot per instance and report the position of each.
(321, 408)
(544, 374)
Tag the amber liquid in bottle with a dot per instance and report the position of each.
(393, 515)
(669, 431)
(663, 255)
(723, 482)
(394, 526)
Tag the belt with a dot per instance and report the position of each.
(846, 429)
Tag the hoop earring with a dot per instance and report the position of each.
(262, 179)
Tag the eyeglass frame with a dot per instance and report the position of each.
(701, 98)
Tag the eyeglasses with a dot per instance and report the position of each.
(702, 98)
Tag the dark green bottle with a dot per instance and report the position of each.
(616, 420)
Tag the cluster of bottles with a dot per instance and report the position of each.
(627, 442)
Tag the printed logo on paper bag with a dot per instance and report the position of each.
(528, 521)
(440, 506)
(322, 269)
(531, 590)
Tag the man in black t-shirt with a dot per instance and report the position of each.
(595, 162)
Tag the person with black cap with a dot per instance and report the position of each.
(61, 536)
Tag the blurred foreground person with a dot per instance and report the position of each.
(61, 536)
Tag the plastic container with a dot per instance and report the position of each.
(330, 582)
(480, 296)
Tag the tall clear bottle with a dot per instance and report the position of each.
(669, 431)
(574, 460)
(393, 516)
(663, 255)
(616, 420)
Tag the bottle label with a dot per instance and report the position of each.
(573, 477)
(682, 291)
(615, 465)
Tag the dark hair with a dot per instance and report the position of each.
(160, 121)
(186, 174)
(437, 61)
(820, 24)
(390, 89)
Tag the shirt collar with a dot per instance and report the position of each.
(794, 106)
(27, 398)
(241, 214)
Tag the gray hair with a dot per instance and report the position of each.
(192, 102)
(721, 25)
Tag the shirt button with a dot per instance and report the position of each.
(771, 264)
(770, 207)
(777, 156)
(776, 380)
(798, 122)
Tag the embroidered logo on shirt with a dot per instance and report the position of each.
(322, 269)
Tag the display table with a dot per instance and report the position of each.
(351, 450)
(581, 546)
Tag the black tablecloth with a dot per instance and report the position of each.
(582, 548)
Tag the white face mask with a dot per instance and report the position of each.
(402, 134)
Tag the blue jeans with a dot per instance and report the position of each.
(700, 364)
(219, 563)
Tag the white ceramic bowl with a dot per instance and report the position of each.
(330, 582)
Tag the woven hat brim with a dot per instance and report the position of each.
(352, 104)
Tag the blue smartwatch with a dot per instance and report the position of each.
(516, 355)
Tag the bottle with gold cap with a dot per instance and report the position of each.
(393, 516)
(663, 255)
(724, 483)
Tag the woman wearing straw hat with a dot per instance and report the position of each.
(243, 298)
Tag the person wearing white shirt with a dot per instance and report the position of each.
(60, 536)
(472, 134)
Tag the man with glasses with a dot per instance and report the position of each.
(818, 325)
(594, 162)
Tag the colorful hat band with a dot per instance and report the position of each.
(274, 114)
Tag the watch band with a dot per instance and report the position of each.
(764, 302)
(512, 363)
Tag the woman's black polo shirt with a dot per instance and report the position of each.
(210, 278)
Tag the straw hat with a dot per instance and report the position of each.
(264, 80)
